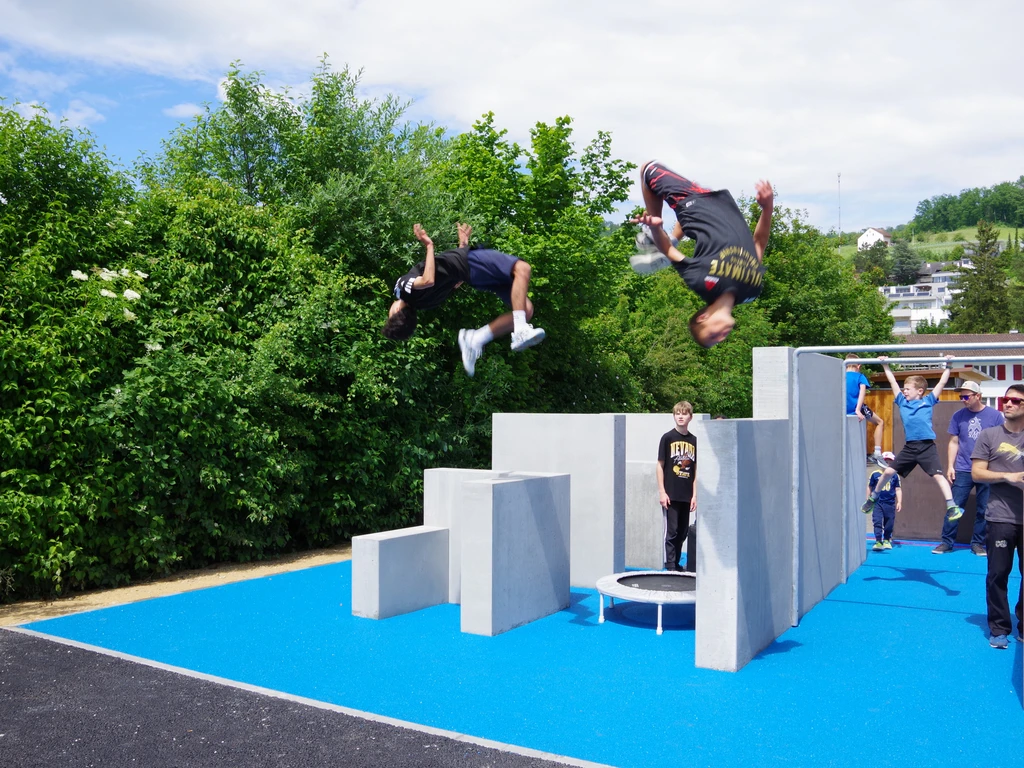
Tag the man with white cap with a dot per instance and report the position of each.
(964, 428)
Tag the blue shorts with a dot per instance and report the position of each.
(491, 271)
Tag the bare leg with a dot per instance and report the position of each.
(502, 325)
(654, 206)
(879, 425)
(944, 486)
(520, 284)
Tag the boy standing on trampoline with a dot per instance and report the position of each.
(677, 482)
(726, 268)
(430, 282)
(920, 451)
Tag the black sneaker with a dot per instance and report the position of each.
(942, 549)
(978, 550)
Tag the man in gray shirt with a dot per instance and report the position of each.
(998, 459)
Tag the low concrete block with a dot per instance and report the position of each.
(515, 551)
(398, 572)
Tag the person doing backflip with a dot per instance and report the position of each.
(429, 283)
(726, 268)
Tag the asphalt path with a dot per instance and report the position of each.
(67, 706)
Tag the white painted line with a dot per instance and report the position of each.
(512, 748)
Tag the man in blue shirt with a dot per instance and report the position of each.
(964, 428)
(920, 451)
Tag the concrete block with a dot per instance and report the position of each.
(515, 551)
(398, 572)
(590, 448)
(744, 540)
(442, 508)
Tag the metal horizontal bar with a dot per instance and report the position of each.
(915, 347)
(940, 360)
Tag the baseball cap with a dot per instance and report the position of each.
(888, 455)
(970, 386)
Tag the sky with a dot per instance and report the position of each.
(905, 99)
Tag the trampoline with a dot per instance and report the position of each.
(657, 587)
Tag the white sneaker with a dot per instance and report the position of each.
(645, 240)
(527, 338)
(649, 263)
(469, 352)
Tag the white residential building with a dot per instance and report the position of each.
(927, 300)
(871, 236)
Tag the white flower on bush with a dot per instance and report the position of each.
(3, 200)
(153, 346)
(108, 294)
(123, 273)
(141, 275)
(129, 315)
(220, 309)
(132, 295)
(78, 275)
(107, 274)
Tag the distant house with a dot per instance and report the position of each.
(871, 236)
(928, 299)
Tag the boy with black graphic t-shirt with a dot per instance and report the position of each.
(429, 283)
(677, 482)
(726, 268)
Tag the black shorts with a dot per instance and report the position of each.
(491, 271)
(918, 453)
(669, 185)
(868, 413)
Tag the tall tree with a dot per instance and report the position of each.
(905, 263)
(982, 304)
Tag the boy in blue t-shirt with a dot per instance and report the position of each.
(856, 388)
(919, 451)
(888, 501)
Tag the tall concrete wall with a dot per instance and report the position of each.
(822, 444)
(744, 540)
(827, 474)
(856, 486)
(591, 448)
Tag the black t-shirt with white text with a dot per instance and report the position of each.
(450, 269)
(724, 258)
(677, 454)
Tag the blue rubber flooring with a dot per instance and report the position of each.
(892, 669)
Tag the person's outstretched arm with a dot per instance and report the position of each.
(427, 278)
(937, 392)
(766, 199)
(892, 379)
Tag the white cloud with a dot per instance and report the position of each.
(82, 115)
(906, 99)
(184, 111)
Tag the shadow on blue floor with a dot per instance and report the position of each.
(869, 678)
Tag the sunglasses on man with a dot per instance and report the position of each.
(1013, 400)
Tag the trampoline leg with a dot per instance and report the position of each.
(600, 617)
(659, 618)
